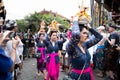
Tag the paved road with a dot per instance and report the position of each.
(29, 71)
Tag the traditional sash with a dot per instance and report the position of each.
(87, 70)
(42, 52)
(52, 67)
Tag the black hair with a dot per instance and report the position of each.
(10, 28)
(51, 32)
(113, 26)
(82, 26)
(41, 34)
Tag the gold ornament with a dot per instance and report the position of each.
(83, 16)
(54, 25)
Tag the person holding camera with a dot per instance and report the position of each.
(77, 49)
(7, 63)
(11, 25)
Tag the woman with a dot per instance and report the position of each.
(77, 49)
(41, 61)
(53, 61)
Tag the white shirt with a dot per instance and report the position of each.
(20, 48)
(64, 46)
(8, 50)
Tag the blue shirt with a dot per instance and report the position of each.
(5, 65)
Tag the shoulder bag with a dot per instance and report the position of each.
(38, 54)
(69, 78)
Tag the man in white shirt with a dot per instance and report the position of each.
(11, 25)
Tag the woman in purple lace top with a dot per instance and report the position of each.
(77, 50)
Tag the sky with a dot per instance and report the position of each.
(18, 9)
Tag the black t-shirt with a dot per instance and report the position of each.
(25, 42)
(112, 36)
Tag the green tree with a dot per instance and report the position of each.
(33, 20)
(22, 25)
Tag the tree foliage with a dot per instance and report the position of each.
(32, 22)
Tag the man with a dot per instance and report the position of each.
(11, 25)
(111, 54)
(7, 63)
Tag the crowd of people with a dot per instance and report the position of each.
(78, 50)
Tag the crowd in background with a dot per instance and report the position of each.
(103, 48)
(79, 50)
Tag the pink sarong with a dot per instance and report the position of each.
(69, 34)
(52, 67)
(43, 54)
(89, 69)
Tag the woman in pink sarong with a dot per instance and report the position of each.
(41, 62)
(53, 61)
